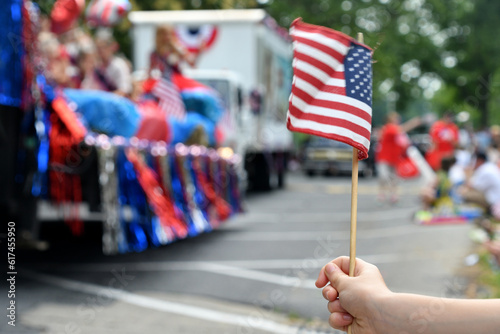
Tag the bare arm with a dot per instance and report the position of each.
(431, 315)
(370, 307)
(411, 124)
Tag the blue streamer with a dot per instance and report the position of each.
(11, 52)
(235, 193)
(40, 179)
(130, 193)
(200, 199)
(178, 196)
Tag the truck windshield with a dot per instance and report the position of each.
(221, 86)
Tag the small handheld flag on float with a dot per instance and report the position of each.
(332, 95)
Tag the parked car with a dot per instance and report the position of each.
(422, 141)
(326, 156)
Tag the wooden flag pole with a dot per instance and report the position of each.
(354, 212)
(354, 205)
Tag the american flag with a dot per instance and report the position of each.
(332, 86)
(170, 98)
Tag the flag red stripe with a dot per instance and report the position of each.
(320, 65)
(318, 84)
(332, 105)
(322, 47)
(330, 121)
(328, 33)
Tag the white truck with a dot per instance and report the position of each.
(247, 58)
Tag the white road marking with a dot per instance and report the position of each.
(321, 217)
(337, 189)
(288, 281)
(165, 306)
(341, 235)
(246, 269)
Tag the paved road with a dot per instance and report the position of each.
(253, 275)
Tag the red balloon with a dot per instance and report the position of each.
(64, 14)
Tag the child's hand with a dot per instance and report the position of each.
(353, 300)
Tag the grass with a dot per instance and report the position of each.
(489, 276)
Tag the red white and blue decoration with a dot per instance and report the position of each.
(152, 192)
(151, 187)
(106, 13)
(197, 39)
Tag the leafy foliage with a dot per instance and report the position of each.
(443, 51)
(430, 55)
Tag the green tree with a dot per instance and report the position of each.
(478, 57)
(423, 48)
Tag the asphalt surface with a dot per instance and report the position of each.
(255, 274)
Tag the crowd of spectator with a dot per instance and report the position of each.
(466, 165)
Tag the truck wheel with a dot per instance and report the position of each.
(258, 172)
(264, 174)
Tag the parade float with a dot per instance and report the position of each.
(85, 155)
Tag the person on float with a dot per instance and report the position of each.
(169, 53)
(115, 69)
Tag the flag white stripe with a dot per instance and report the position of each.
(321, 39)
(168, 92)
(312, 70)
(317, 54)
(320, 95)
(332, 129)
(329, 112)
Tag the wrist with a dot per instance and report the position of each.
(389, 314)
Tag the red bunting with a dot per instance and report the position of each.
(221, 206)
(69, 118)
(65, 186)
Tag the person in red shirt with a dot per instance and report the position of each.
(444, 135)
(392, 145)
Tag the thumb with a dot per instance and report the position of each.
(335, 275)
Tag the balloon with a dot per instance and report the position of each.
(106, 13)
